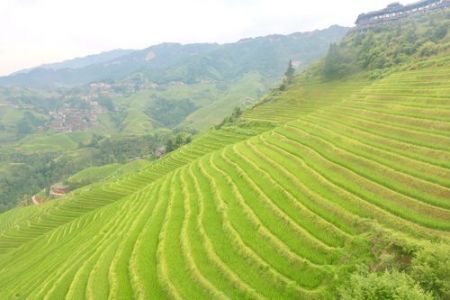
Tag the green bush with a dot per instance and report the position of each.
(440, 33)
(364, 285)
(431, 268)
(237, 112)
(428, 49)
(388, 45)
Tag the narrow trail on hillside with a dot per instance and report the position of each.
(34, 200)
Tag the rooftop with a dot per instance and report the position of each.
(398, 8)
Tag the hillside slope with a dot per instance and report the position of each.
(132, 102)
(343, 152)
(81, 62)
(329, 177)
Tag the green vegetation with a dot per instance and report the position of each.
(26, 175)
(42, 160)
(190, 64)
(431, 269)
(48, 143)
(90, 175)
(389, 285)
(118, 106)
(402, 269)
(197, 106)
(329, 188)
(170, 113)
(389, 46)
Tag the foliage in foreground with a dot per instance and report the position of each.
(364, 285)
(402, 269)
(431, 268)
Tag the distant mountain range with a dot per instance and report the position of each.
(80, 62)
(185, 63)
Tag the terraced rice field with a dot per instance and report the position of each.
(28, 223)
(251, 213)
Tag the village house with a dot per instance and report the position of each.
(396, 11)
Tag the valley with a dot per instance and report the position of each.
(332, 183)
(138, 103)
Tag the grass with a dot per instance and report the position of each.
(46, 143)
(243, 92)
(278, 206)
(92, 174)
(212, 102)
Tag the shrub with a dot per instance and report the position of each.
(440, 33)
(387, 45)
(237, 112)
(428, 49)
(386, 285)
(431, 268)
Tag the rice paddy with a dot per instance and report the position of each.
(276, 208)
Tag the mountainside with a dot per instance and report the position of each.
(81, 62)
(329, 187)
(186, 63)
(120, 105)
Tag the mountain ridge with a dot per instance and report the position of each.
(78, 62)
(167, 55)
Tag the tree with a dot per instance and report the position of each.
(106, 102)
(24, 127)
(333, 63)
(439, 33)
(428, 49)
(237, 112)
(170, 145)
(28, 123)
(290, 72)
(179, 140)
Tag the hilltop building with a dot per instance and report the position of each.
(396, 11)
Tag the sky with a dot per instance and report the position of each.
(34, 32)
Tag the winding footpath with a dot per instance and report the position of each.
(34, 200)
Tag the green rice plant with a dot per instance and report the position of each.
(371, 150)
(364, 188)
(292, 191)
(384, 175)
(348, 200)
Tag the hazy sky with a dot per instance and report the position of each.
(34, 32)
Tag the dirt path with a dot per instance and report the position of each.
(56, 194)
(35, 201)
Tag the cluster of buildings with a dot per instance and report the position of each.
(396, 11)
(131, 85)
(69, 119)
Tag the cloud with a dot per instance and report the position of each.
(28, 2)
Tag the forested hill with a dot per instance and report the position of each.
(187, 63)
(385, 47)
